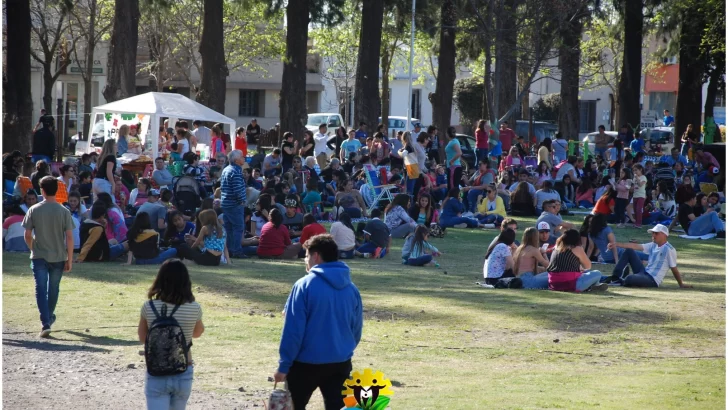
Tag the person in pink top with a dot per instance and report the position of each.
(506, 136)
(482, 134)
(623, 187)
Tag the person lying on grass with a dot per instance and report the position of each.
(661, 256)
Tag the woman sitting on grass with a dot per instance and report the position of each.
(491, 209)
(144, 243)
(605, 204)
(570, 268)
(452, 209)
(416, 251)
(585, 194)
(310, 228)
(395, 216)
(522, 201)
(275, 240)
(343, 233)
(499, 259)
(172, 291)
(526, 261)
(209, 247)
(423, 212)
(116, 225)
(139, 195)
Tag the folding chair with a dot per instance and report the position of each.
(377, 191)
(531, 162)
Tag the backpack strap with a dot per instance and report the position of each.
(154, 309)
(174, 310)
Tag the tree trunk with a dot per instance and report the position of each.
(690, 88)
(569, 57)
(507, 68)
(442, 101)
(293, 82)
(48, 81)
(612, 111)
(631, 75)
(18, 109)
(386, 65)
(121, 80)
(712, 92)
(214, 69)
(366, 88)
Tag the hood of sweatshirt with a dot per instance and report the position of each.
(336, 274)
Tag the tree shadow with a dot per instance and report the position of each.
(52, 347)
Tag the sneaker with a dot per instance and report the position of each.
(615, 283)
(620, 225)
(488, 226)
(462, 225)
(380, 253)
(366, 255)
(45, 332)
(601, 287)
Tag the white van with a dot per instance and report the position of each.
(396, 124)
(331, 119)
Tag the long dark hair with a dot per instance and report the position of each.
(584, 229)
(141, 223)
(414, 211)
(106, 199)
(609, 193)
(399, 200)
(584, 186)
(171, 230)
(507, 236)
(570, 238)
(172, 284)
(452, 193)
(663, 190)
(276, 218)
(546, 143)
(345, 219)
(308, 219)
(207, 203)
(420, 232)
(597, 224)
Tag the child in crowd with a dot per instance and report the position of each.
(175, 156)
(95, 246)
(85, 187)
(640, 194)
(416, 251)
(209, 247)
(177, 231)
(139, 195)
(343, 234)
(78, 213)
(378, 238)
(144, 243)
(623, 187)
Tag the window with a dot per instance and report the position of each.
(416, 104)
(720, 99)
(248, 103)
(587, 116)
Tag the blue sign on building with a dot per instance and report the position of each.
(719, 115)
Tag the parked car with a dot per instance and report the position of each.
(662, 136)
(332, 121)
(467, 146)
(396, 124)
(592, 135)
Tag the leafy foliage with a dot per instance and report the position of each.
(468, 98)
(547, 108)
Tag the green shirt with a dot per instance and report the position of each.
(50, 221)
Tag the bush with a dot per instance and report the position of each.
(468, 98)
(547, 108)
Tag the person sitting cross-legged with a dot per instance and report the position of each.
(491, 209)
(662, 255)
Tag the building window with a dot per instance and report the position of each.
(587, 116)
(416, 104)
(248, 103)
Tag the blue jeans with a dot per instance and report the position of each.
(609, 257)
(168, 392)
(169, 253)
(601, 151)
(115, 251)
(36, 157)
(448, 222)
(587, 279)
(491, 219)
(531, 281)
(367, 248)
(586, 204)
(472, 199)
(249, 250)
(640, 280)
(234, 219)
(419, 261)
(47, 277)
(629, 259)
(346, 254)
(481, 154)
(705, 224)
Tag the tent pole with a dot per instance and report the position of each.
(92, 122)
(154, 135)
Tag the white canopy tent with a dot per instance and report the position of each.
(158, 105)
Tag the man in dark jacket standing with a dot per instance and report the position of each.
(44, 141)
(323, 326)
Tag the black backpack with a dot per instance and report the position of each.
(165, 349)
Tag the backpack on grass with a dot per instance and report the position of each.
(165, 349)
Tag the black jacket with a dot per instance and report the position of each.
(44, 142)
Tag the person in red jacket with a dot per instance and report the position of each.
(310, 228)
(275, 240)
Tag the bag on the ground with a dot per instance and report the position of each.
(437, 231)
(280, 399)
(509, 283)
(165, 349)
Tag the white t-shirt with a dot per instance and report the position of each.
(202, 134)
(320, 144)
(667, 206)
(564, 170)
(343, 236)
(185, 144)
(495, 265)
(660, 259)
(259, 222)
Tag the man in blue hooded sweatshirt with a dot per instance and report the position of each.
(323, 323)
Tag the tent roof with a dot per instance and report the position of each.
(166, 105)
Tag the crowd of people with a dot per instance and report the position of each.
(273, 206)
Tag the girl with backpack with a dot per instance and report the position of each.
(144, 243)
(171, 291)
(416, 251)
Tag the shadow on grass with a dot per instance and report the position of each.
(98, 340)
(51, 347)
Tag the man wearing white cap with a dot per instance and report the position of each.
(661, 254)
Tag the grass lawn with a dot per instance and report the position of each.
(445, 343)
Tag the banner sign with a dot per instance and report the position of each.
(112, 123)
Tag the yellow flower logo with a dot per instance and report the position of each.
(367, 390)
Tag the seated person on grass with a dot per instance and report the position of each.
(491, 209)
(378, 238)
(416, 251)
(551, 215)
(94, 244)
(706, 223)
(661, 256)
(144, 243)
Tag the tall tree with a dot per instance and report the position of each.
(506, 63)
(299, 13)
(569, 62)
(121, 77)
(366, 89)
(91, 22)
(445, 81)
(631, 74)
(49, 42)
(18, 107)
(214, 69)
(688, 109)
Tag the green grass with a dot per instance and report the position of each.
(444, 342)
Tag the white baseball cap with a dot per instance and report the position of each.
(543, 226)
(659, 228)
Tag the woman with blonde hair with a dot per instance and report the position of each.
(122, 144)
(105, 170)
(526, 260)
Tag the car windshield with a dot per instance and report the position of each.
(317, 120)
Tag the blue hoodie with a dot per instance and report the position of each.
(323, 319)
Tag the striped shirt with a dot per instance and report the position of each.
(232, 186)
(660, 259)
(564, 261)
(187, 315)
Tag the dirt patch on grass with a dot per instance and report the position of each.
(59, 374)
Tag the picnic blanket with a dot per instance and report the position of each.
(707, 236)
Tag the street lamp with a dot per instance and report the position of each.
(59, 123)
(411, 62)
